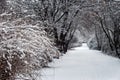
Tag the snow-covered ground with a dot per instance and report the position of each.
(83, 64)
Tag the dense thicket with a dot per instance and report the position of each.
(24, 45)
(32, 29)
(58, 16)
(106, 20)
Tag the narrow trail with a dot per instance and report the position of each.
(83, 64)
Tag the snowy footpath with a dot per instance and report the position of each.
(83, 64)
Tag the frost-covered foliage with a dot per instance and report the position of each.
(58, 14)
(23, 48)
(62, 17)
(105, 16)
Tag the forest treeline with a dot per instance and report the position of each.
(34, 32)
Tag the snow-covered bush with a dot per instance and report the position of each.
(23, 48)
(92, 43)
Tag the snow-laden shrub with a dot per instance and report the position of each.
(92, 43)
(22, 49)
